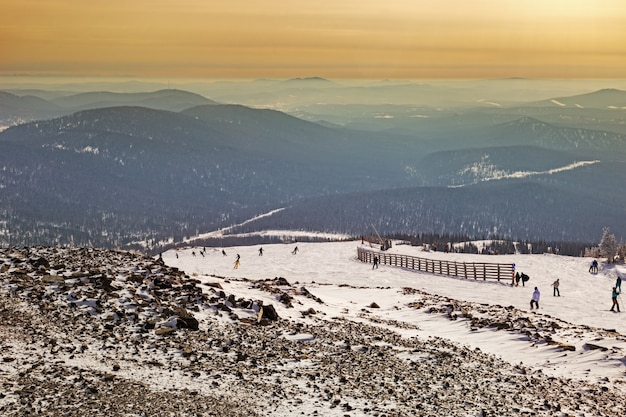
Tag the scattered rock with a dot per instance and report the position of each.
(164, 331)
(66, 332)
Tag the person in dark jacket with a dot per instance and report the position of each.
(524, 279)
(556, 291)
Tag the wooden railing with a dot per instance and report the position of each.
(475, 270)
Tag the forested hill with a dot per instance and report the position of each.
(137, 176)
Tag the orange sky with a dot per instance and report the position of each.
(301, 38)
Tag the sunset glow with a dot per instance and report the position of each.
(345, 39)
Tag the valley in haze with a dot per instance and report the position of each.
(145, 165)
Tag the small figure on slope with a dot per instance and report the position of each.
(236, 265)
(618, 284)
(535, 299)
(614, 295)
(556, 291)
(260, 251)
(375, 262)
(524, 279)
(294, 251)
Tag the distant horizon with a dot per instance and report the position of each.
(85, 79)
(246, 91)
(97, 77)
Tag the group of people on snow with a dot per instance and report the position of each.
(534, 299)
(593, 268)
(616, 291)
(237, 261)
(521, 277)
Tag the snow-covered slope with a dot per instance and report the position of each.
(128, 335)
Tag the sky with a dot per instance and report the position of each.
(349, 39)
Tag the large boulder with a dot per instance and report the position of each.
(267, 313)
(185, 320)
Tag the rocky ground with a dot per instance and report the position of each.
(96, 332)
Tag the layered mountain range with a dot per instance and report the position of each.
(143, 169)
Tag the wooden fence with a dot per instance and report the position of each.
(476, 270)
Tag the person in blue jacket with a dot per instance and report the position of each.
(614, 297)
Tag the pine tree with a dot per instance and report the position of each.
(621, 251)
(608, 245)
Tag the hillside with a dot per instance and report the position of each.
(172, 100)
(506, 209)
(113, 176)
(32, 105)
(161, 168)
(606, 98)
(104, 331)
(18, 109)
(530, 131)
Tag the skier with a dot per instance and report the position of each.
(517, 278)
(614, 297)
(618, 284)
(236, 265)
(535, 299)
(223, 252)
(260, 251)
(294, 251)
(556, 291)
(375, 262)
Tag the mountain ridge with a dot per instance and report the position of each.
(603, 98)
(116, 175)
